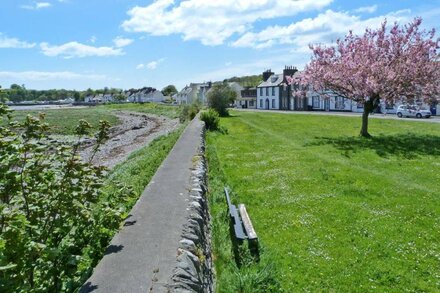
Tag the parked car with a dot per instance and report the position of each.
(412, 111)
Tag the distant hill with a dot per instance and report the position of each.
(246, 81)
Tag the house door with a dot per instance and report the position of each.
(327, 105)
(267, 104)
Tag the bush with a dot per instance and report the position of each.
(220, 97)
(55, 218)
(211, 119)
(189, 112)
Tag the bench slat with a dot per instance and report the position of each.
(251, 234)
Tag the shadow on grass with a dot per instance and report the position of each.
(407, 145)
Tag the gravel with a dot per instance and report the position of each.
(136, 130)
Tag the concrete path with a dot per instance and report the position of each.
(142, 255)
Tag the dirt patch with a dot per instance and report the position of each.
(135, 131)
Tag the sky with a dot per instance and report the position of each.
(80, 44)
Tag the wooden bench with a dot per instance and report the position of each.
(241, 225)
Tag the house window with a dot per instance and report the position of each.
(261, 91)
(273, 91)
(251, 103)
(261, 103)
(339, 103)
(360, 105)
(316, 102)
(267, 91)
(273, 103)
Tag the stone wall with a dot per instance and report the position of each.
(194, 270)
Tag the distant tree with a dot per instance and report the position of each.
(220, 97)
(89, 92)
(3, 96)
(76, 96)
(169, 90)
(41, 98)
(246, 81)
(381, 64)
(120, 98)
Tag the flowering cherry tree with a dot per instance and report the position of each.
(384, 64)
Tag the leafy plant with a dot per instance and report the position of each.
(189, 112)
(211, 119)
(220, 97)
(55, 218)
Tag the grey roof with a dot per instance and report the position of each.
(273, 80)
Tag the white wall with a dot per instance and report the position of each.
(271, 97)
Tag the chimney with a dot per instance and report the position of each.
(268, 73)
(289, 71)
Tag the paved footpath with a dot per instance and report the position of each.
(142, 255)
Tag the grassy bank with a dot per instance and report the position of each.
(151, 108)
(334, 212)
(142, 164)
(64, 121)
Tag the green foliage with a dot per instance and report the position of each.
(55, 218)
(63, 121)
(189, 112)
(246, 81)
(220, 97)
(211, 119)
(17, 93)
(150, 108)
(142, 164)
(337, 213)
(169, 90)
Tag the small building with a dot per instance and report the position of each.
(247, 99)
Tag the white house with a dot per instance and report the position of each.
(274, 92)
(145, 95)
(193, 92)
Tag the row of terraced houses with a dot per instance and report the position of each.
(275, 93)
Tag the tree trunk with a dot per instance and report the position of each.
(364, 129)
(369, 107)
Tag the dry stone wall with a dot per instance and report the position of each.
(194, 270)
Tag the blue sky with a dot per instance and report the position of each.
(76, 44)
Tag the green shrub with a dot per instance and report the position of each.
(211, 119)
(55, 218)
(189, 112)
(220, 97)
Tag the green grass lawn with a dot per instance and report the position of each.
(64, 121)
(334, 212)
(152, 108)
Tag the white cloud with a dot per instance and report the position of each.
(153, 64)
(48, 75)
(122, 42)
(211, 22)
(93, 39)
(36, 5)
(140, 66)
(322, 29)
(366, 9)
(75, 49)
(6, 42)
